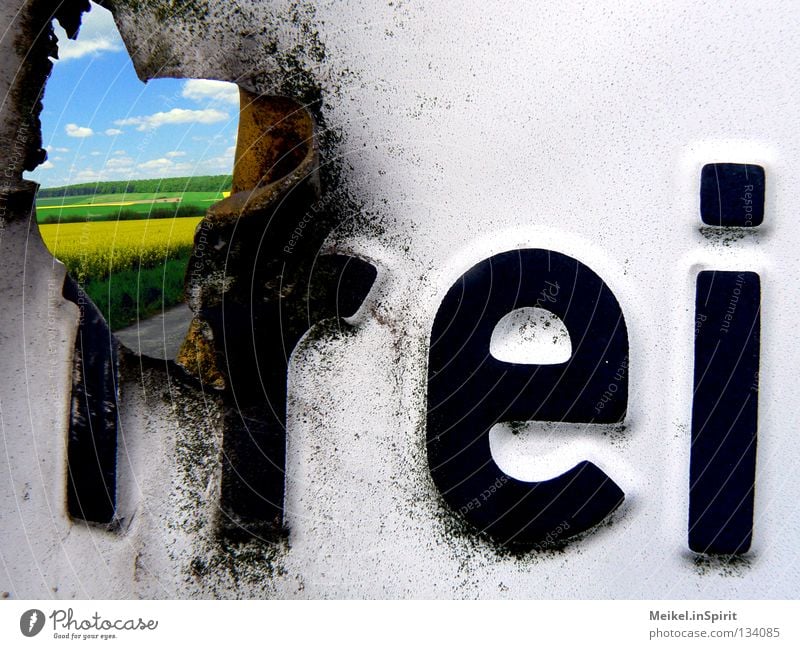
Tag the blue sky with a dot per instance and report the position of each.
(101, 123)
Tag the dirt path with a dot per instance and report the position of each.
(159, 336)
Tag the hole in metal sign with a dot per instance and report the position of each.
(126, 184)
(119, 199)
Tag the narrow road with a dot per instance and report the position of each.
(160, 336)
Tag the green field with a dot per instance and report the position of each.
(100, 198)
(128, 296)
(130, 269)
(127, 242)
(136, 205)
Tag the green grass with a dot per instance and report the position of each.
(131, 265)
(130, 295)
(130, 269)
(124, 206)
(102, 198)
(180, 184)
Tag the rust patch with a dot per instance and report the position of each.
(197, 357)
(275, 179)
(275, 137)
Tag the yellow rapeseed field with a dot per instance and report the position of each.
(96, 249)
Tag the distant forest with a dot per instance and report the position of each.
(185, 184)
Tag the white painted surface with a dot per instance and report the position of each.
(532, 336)
(470, 129)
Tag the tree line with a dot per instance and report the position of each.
(153, 185)
(124, 215)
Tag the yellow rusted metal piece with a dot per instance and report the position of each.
(197, 355)
(276, 134)
(276, 162)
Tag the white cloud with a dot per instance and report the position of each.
(95, 152)
(98, 34)
(117, 163)
(112, 131)
(175, 154)
(158, 163)
(218, 164)
(46, 165)
(112, 169)
(164, 166)
(86, 175)
(206, 89)
(73, 130)
(58, 149)
(119, 152)
(77, 49)
(174, 116)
